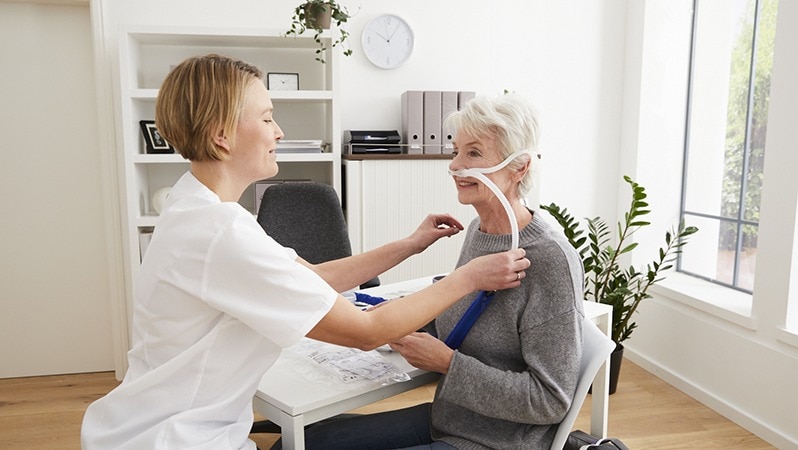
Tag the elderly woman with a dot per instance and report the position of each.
(217, 299)
(511, 380)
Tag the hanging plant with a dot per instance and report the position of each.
(319, 15)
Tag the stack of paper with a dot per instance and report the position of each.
(306, 146)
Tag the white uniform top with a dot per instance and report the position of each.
(216, 301)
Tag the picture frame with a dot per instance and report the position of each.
(282, 81)
(155, 143)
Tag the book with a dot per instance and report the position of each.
(300, 146)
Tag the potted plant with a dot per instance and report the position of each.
(317, 15)
(605, 280)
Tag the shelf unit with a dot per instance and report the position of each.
(146, 54)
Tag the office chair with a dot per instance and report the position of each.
(595, 350)
(308, 218)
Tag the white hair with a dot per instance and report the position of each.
(509, 119)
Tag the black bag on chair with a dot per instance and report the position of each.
(579, 440)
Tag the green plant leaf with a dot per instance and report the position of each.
(605, 282)
(628, 248)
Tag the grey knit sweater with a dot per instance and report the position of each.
(513, 378)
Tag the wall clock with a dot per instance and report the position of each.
(276, 81)
(387, 41)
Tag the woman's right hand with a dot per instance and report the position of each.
(496, 271)
(434, 227)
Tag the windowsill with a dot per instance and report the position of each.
(789, 337)
(722, 302)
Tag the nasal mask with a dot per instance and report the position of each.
(479, 174)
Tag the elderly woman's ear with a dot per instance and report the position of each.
(526, 167)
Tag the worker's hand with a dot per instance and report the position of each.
(434, 227)
(494, 272)
(424, 351)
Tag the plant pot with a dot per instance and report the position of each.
(616, 357)
(615, 369)
(318, 15)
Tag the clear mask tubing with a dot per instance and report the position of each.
(478, 173)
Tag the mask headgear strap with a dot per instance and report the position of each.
(478, 173)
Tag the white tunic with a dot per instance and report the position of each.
(216, 301)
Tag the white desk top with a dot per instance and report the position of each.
(298, 395)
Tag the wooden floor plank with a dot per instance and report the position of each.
(45, 413)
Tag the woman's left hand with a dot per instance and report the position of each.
(424, 351)
(434, 227)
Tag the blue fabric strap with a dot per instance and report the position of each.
(370, 299)
(470, 317)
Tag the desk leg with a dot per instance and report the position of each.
(292, 429)
(601, 389)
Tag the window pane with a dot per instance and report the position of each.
(710, 253)
(747, 264)
(766, 36)
(718, 109)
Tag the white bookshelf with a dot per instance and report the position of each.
(146, 54)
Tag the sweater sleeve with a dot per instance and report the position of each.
(541, 394)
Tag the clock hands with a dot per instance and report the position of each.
(383, 37)
(389, 32)
(394, 32)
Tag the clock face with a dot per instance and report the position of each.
(282, 81)
(387, 41)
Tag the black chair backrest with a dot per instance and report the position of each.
(308, 218)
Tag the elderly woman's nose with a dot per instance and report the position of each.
(456, 164)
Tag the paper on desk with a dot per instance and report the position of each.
(342, 367)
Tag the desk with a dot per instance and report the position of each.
(293, 403)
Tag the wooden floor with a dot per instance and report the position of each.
(646, 413)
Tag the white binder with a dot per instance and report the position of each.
(413, 121)
(448, 106)
(463, 97)
(432, 122)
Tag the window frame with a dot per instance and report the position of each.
(739, 221)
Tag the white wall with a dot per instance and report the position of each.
(54, 271)
(738, 360)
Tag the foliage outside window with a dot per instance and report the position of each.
(729, 92)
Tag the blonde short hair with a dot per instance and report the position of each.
(509, 119)
(200, 96)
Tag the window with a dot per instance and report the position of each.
(728, 94)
